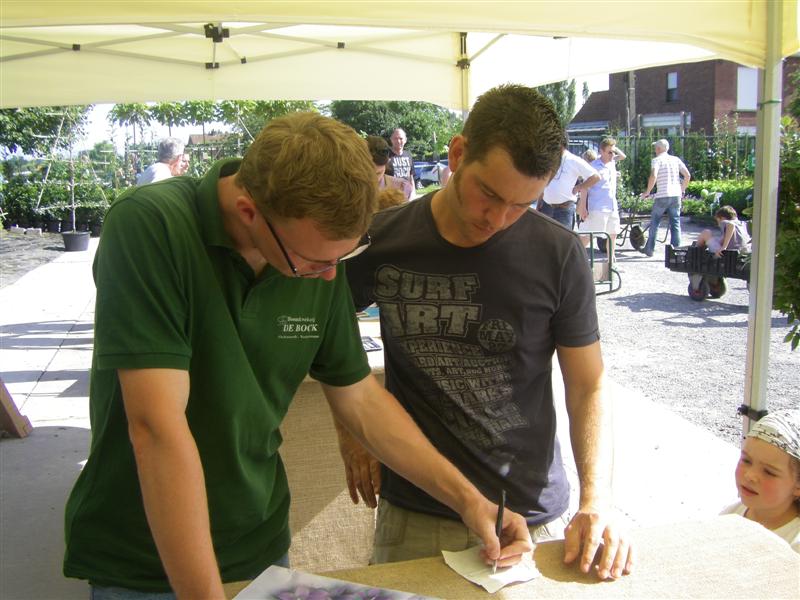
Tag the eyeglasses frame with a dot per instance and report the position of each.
(363, 244)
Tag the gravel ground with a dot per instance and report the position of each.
(20, 253)
(688, 356)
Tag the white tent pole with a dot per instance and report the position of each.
(463, 66)
(765, 203)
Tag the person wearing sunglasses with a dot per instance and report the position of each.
(215, 297)
(379, 150)
(476, 292)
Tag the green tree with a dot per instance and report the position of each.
(786, 295)
(104, 162)
(248, 117)
(200, 112)
(429, 127)
(793, 108)
(169, 114)
(585, 93)
(261, 112)
(562, 95)
(39, 131)
(131, 115)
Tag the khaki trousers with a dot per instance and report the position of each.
(402, 534)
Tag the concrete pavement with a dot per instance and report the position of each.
(665, 468)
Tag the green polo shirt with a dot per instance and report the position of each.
(173, 293)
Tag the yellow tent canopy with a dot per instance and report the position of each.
(56, 52)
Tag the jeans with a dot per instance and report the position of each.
(97, 592)
(672, 205)
(563, 214)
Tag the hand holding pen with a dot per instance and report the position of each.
(498, 526)
(505, 534)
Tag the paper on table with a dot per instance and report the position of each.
(469, 565)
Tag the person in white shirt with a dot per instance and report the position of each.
(172, 161)
(670, 177)
(598, 208)
(561, 194)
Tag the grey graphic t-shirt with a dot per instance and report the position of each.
(469, 335)
(402, 165)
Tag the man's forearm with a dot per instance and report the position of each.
(651, 182)
(591, 446)
(173, 491)
(383, 426)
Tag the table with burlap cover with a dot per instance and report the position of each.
(722, 557)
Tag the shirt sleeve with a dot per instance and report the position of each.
(585, 170)
(575, 321)
(141, 310)
(359, 278)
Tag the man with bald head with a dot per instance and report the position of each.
(401, 163)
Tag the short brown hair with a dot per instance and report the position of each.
(378, 149)
(608, 141)
(726, 212)
(306, 165)
(521, 121)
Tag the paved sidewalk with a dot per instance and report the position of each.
(665, 468)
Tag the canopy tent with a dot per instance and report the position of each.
(54, 52)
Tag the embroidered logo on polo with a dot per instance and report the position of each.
(466, 360)
(302, 328)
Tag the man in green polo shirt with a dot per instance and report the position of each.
(215, 297)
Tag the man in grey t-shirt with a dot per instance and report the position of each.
(400, 160)
(476, 292)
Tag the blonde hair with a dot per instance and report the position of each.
(389, 197)
(304, 165)
(589, 156)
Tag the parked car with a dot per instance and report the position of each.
(427, 173)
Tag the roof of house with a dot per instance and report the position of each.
(595, 109)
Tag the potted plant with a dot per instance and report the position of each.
(74, 240)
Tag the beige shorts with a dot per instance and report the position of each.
(402, 534)
(607, 222)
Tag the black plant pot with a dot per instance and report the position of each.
(75, 241)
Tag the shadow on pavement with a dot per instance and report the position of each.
(38, 474)
(666, 302)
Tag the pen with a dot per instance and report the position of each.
(498, 525)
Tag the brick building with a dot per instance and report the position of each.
(675, 99)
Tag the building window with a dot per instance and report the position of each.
(672, 86)
(746, 88)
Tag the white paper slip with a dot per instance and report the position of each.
(469, 565)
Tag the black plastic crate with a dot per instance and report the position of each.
(691, 259)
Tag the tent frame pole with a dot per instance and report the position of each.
(764, 219)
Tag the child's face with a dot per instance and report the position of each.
(765, 478)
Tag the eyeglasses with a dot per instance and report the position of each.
(363, 244)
